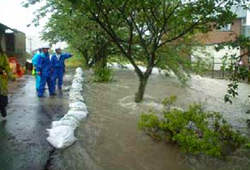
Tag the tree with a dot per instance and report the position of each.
(150, 24)
(142, 28)
(235, 70)
(63, 28)
(77, 30)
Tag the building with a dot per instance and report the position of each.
(13, 43)
(209, 40)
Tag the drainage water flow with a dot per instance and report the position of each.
(110, 140)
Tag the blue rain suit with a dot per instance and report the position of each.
(34, 62)
(58, 67)
(44, 67)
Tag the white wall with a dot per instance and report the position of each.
(208, 52)
(248, 18)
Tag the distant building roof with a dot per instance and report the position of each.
(4, 27)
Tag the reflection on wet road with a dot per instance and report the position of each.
(23, 144)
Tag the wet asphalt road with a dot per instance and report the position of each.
(23, 144)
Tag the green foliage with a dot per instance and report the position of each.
(232, 65)
(196, 131)
(76, 61)
(237, 74)
(240, 73)
(81, 33)
(117, 59)
(175, 57)
(201, 66)
(247, 145)
(140, 29)
(169, 101)
(102, 74)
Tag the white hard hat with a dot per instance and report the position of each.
(57, 48)
(45, 46)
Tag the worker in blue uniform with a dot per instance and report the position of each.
(58, 65)
(45, 70)
(34, 62)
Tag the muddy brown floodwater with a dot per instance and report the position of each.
(110, 140)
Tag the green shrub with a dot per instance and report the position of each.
(247, 145)
(76, 61)
(196, 131)
(102, 74)
(201, 65)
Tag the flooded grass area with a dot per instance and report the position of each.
(110, 140)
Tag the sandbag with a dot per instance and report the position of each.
(76, 83)
(78, 76)
(61, 137)
(78, 80)
(75, 95)
(74, 90)
(79, 73)
(78, 106)
(76, 86)
(77, 98)
(64, 122)
(70, 118)
(66, 88)
(79, 70)
(79, 115)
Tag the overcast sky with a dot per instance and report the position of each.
(13, 15)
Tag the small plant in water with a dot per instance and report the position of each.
(103, 74)
(196, 131)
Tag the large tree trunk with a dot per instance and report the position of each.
(143, 83)
(141, 90)
(101, 57)
(87, 57)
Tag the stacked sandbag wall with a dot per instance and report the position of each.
(61, 134)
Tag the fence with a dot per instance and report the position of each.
(214, 70)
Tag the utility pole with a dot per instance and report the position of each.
(30, 39)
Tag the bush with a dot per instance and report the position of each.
(201, 65)
(196, 131)
(76, 61)
(102, 74)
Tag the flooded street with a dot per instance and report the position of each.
(87, 125)
(110, 140)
